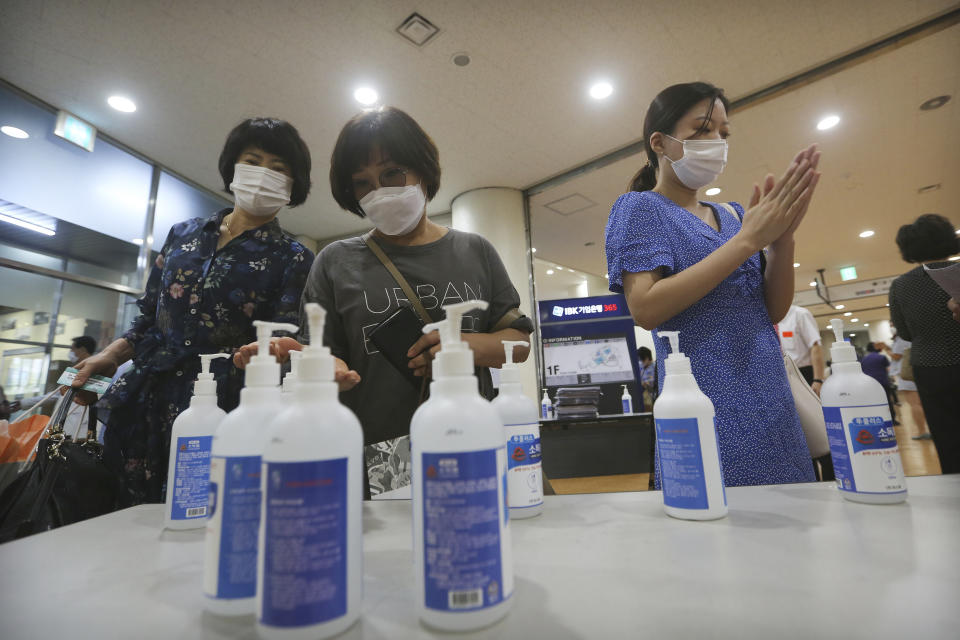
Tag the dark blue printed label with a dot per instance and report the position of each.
(871, 433)
(462, 545)
(681, 463)
(626, 405)
(305, 543)
(190, 497)
(836, 437)
(237, 568)
(523, 450)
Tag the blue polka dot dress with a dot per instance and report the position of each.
(727, 335)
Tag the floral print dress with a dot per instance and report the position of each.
(198, 299)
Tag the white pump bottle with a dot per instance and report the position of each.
(688, 457)
(863, 444)
(230, 553)
(312, 485)
(522, 424)
(290, 380)
(626, 400)
(191, 438)
(463, 560)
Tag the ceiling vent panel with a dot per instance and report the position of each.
(569, 205)
(417, 29)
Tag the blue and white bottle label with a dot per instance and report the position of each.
(233, 527)
(467, 559)
(863, 445)
(305, 542)
(191, 478)
(524, 467)
(681, 463)
(627, 405)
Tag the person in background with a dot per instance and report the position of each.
(81, 348)
(877, 366)
(648, 377)
(800, 339)
(212, 278)
(908, 388)
(921, 311)
(692, 266)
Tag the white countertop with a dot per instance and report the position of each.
(791, 561)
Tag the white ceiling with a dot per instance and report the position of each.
(874, 161)
(517, 114)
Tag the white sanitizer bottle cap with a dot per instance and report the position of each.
(510, 373)
(676, 362)
(290, 380)
(455, 357)
(205, 384)
(841, 351)
(264, 370)
(316, 364)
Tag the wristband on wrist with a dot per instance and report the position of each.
(817, 380)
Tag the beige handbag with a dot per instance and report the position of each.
(906, 367)
(809, 409)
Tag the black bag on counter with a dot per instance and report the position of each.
(66, 482)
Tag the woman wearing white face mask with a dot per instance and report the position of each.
(691, 266)
(385, 168)
(213, 277)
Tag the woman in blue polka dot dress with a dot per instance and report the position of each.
(691, 266)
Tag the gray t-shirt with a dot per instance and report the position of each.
(358, 293)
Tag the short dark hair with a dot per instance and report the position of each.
(871, 347)
(397, 135)
(664, 112)
(85, 342)
(644, 353)
(273, 136)
(929, 237)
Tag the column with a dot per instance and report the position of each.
(496, 213)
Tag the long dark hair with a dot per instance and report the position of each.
(666, 109)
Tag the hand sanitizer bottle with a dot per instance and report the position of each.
(546, 407)
(626, 400)
(463, 561)
(866, 458)
(310, 576)
(519, 416)
(230, 553)
(688, 457)
(191, 438)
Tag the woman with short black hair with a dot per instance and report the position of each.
(920, 310)
(213, 277)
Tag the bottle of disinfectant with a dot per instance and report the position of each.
(519, 416)
(290, 380)
(310, 575)
(546, 407)
(626, 400)
(230, 553)
(463, 564)
(688, 458)
(863, 445)
(191, 438)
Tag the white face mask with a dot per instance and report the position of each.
(72, 357)
(395, 211)
(260, 191)
(702, 161)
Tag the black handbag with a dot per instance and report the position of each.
(66, 482)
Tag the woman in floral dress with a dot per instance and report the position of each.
(213, 277)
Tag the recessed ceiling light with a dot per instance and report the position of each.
(366, 96)
(867, 233)
(121, 103)
(853, 335)
(829, 122)
(848, 314)
(957, 231)
(854, 319)
(137, 241)
(887, 304)
(839, 307)
(23, 224)
(607, 276)
(712, 191)
(813, 283)
(533, 249)
(601, 90)
(796, 265)
(866, 324)
(954, 258)
(934, 103)
(549, 272)
(14, 132)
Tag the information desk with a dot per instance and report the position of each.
(601, 446)
(791, 561)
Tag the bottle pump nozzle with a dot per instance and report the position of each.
(264, 370)
(676, 362)
(205, 384)
(841, 351)
(316, 365)
(455, 357)
(509, 373)
(290, 380)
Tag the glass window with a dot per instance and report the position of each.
(178, 201)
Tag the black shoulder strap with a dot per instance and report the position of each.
(398, 277)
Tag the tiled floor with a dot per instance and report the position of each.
(919, 459)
